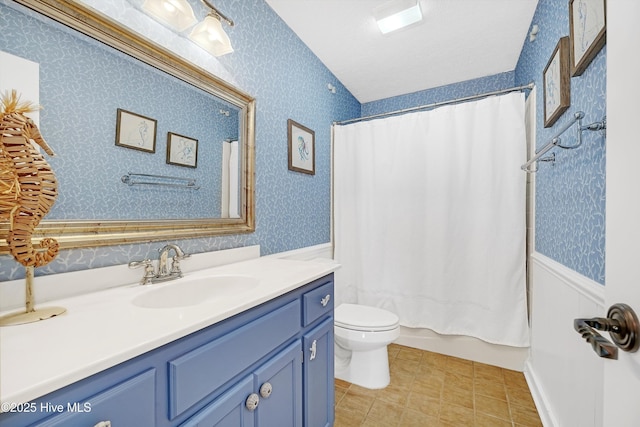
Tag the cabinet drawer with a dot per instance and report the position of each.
(200, 372)
(131, 403)
(317, 302)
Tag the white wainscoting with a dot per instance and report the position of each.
(564, 374)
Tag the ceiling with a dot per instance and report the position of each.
(457, 40)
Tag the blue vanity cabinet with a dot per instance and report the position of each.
(271, 396)
(280, 352)
(195, 374)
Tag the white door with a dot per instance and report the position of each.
(622, 376)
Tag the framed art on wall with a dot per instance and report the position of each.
(182, 150)
(556, 83)
(135, 131)
(302, 155)
(588, 30)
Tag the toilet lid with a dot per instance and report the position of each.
(365, 318)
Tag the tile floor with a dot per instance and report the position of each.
(430, 389)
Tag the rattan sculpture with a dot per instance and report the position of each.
(28, 186)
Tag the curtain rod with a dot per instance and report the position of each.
(437, 104)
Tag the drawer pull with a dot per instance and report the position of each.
(252, 402)
(324, 301)
(266, 389)
(313, 349)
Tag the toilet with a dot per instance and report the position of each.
(362, 334)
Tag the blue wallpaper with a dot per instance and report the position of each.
(289, 82)
(570, 195)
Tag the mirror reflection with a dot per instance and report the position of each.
(186, 137)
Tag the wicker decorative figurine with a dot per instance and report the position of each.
(28, 189)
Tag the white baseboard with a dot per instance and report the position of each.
(542, 405)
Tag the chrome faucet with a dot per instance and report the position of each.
(164, 273)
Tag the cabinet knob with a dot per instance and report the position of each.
(265, 390)
(252, 401)
(324, 301)
(103, 424)
(313, 348)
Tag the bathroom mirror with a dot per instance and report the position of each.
(110, 190)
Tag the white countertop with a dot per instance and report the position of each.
(101, 329)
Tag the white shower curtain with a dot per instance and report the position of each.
(230, 178)
(430, 218)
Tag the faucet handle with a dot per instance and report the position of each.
(148, 270)
(175, 264)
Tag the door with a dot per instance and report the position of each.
(622, 377)
(317, 375)
(279, 384)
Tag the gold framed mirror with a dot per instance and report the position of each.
(78, 233)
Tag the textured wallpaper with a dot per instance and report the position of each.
(288, 82)
(570, 194)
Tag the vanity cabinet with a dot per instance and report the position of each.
(271, 396)
(271, 365)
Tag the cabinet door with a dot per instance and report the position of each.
(282, 375)
(228, 410)
(318, 375)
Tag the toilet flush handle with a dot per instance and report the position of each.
(324, 301)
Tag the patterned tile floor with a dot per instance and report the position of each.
(430, 389)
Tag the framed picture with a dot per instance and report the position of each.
(588, 31)
(135, 131)
(302, 154)
(182, 150)
(556, 80)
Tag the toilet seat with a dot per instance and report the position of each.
(364, 318)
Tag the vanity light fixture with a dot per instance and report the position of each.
(177, 14)
(397, 14)
(209, 33)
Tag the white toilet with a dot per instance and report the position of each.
(362, 334)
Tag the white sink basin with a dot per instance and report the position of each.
(186, 292)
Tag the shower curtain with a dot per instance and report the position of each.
(230, 172)
(429, 218)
